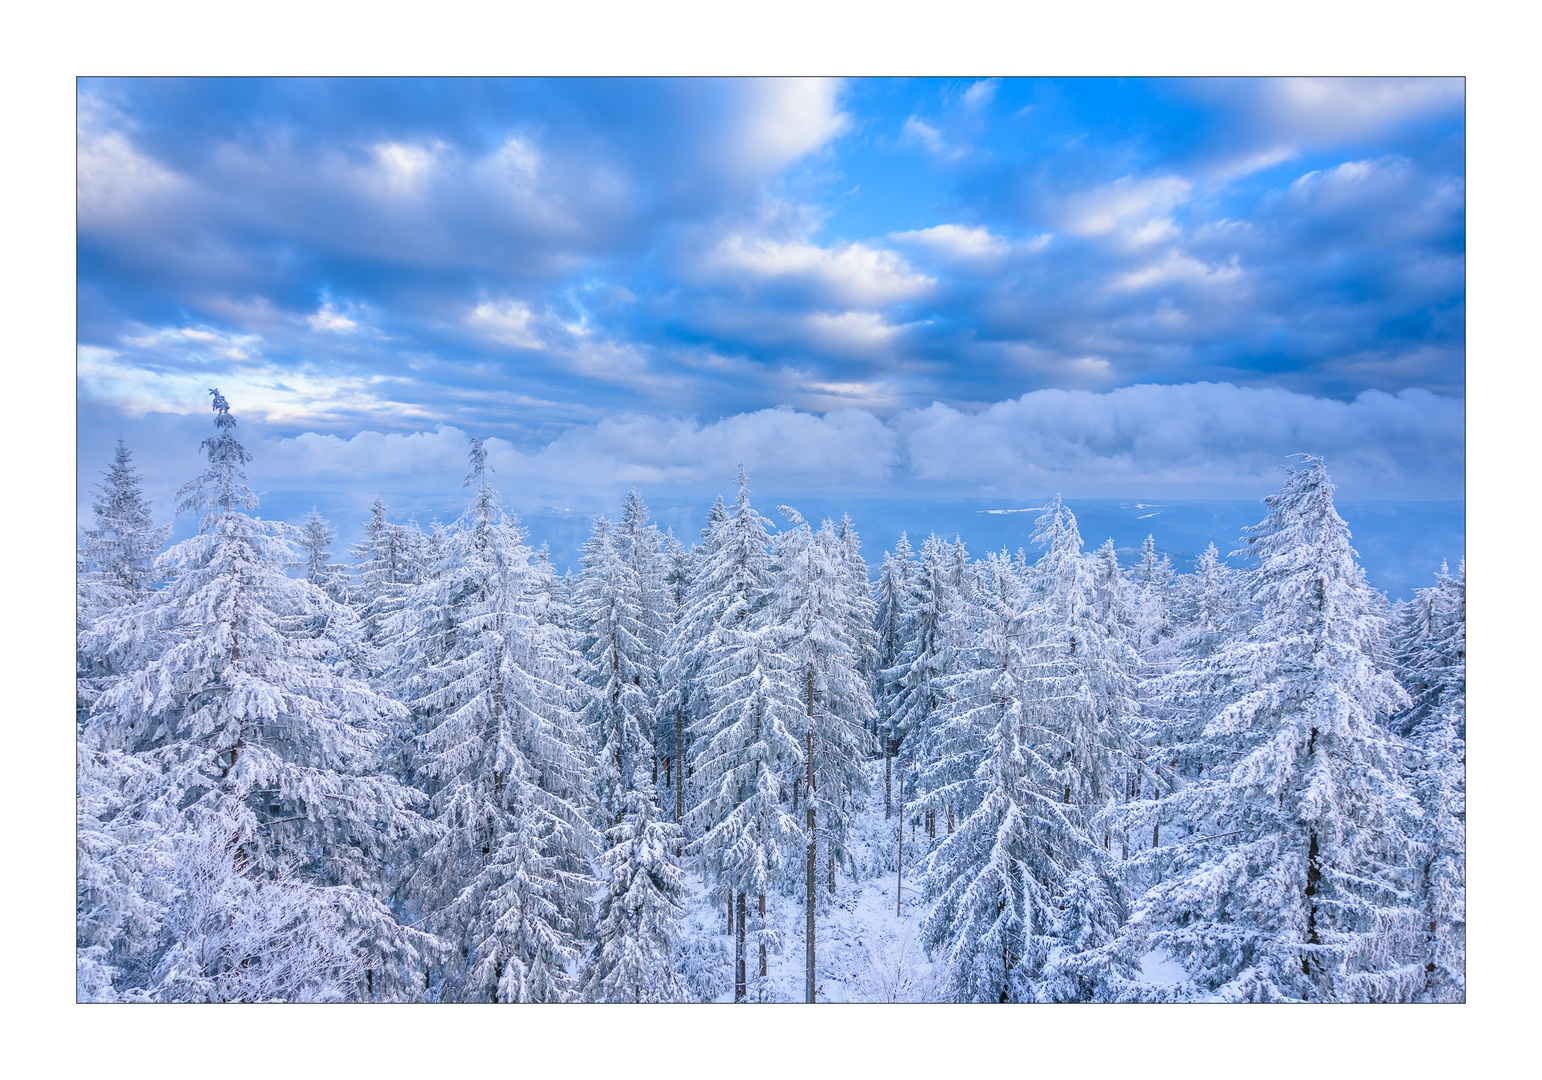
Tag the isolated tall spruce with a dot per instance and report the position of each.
(246, 768)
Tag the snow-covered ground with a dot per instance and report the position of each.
(865, 950)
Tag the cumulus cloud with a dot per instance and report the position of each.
(1323, 108)
(848, 273)
(508, 322)
(787, 119)
(967, 243)
(1179, 267)
(1129, 204)
(329, 320)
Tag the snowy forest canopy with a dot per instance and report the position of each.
(747, 769)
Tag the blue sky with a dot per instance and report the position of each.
(971, 288)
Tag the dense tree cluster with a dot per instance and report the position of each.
(444, 772)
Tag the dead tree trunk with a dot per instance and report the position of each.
(762, 944)
(899, 859)
(680, 786)
(888, 775)
(739, 981)
(808, 928)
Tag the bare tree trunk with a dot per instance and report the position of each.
(808, 928)
(1313, 876)
(739, 981)
(899, 861)
(730, 914)
(680, 787)
(832, 873)
(762, 944)
(888, 781)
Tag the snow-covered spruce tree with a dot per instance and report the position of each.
(861, 609)
(506, 761)
(386, 568)
(637, 930)
(1289, 880)
(1082, 668)
(621, 603)
(735, 684)
(115, 573)
(680, 706)
(892, 617)
(1212, 608)
(618, 647)
(1151, 603)
(1007, 923)
(952, 780)
(1113, 605)
(638, 543)
(121, 546)
(917, 706)
(994, 879)
(668, 729)
(242, 742)
(809, 617)
(747, 758)
(1432, 662)
(1209, 607)
(316, 539)
(124, 856)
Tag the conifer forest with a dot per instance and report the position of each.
(747, 766)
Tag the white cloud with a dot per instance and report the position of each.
(1350, 182)
(1128, 205)
(259, 391)
(327, 318)
(785, 120)
(116, 182)
(1179, 267)
(980, 94)
(856, 332)
(1194, 439)
(849, 274)
(845, 447)
(405, 168)
(198, 343)
(1357, 106)
(508, 322)
(1257, 161)
(964, 242)
(919, 131)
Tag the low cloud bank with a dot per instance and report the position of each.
(1195, 440)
